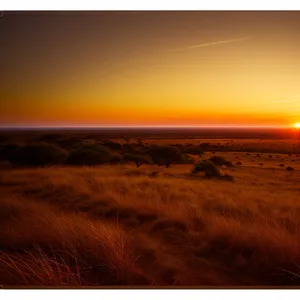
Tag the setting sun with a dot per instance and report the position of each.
(297, 125)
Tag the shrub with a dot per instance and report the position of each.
(181, 147)
(49, 137)
(97, 148)
(8, 150)
(239, 163)
(208, 167)
(128, 148)
(153, 174)
(90, 156)
(127, 139)
(115, 159)
(140, 142)
(3, 138)
(70, 143)
(114, 146)
(281, 165)
(270, 156)
(166, 155)
(220, 161)
(137, 159)
(290, 168)
(38, 154)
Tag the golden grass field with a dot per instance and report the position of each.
(119, 225)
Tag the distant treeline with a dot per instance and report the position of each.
(41, 149)
(53, 149)
(162, 133)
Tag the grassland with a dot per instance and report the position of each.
(115, 225)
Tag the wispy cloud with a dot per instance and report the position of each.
(213, 43)
(284, 101)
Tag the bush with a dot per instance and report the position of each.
(115, 159)
(8, 150)
(166, 155)
(208, 167)
(114, 146)
(281, 165)
(220, 161)
(238, 163)
(70, 143)
(49, 137)
(38, 154)
(3, 138)
(140, 142)
(137, 159)
(97, 148)
(290, 168)
(128, 148)
(89, 155)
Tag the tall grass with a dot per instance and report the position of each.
(116, 226)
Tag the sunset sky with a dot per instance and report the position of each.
(150, 68)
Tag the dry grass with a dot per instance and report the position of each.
(122, 226)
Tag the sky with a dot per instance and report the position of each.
(199, 68)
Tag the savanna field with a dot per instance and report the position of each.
(83, 210)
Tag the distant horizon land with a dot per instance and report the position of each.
(38, 127)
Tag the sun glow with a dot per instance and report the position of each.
(297, 125)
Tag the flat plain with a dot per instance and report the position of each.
(117, 224)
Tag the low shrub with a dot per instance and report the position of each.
(166, 155)
(208, 167)
(220, 161)
(90, 156)
(37, 154)
(114, 146)
(139, 160)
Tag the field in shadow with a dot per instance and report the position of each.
(158, 223)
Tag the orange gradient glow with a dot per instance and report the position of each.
(151, 68)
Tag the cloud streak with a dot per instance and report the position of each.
(284, 101)
(213, 43)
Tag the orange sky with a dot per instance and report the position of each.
(150, 68)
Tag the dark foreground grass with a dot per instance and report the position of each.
(77, 227)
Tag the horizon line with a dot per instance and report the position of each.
(141, 126)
